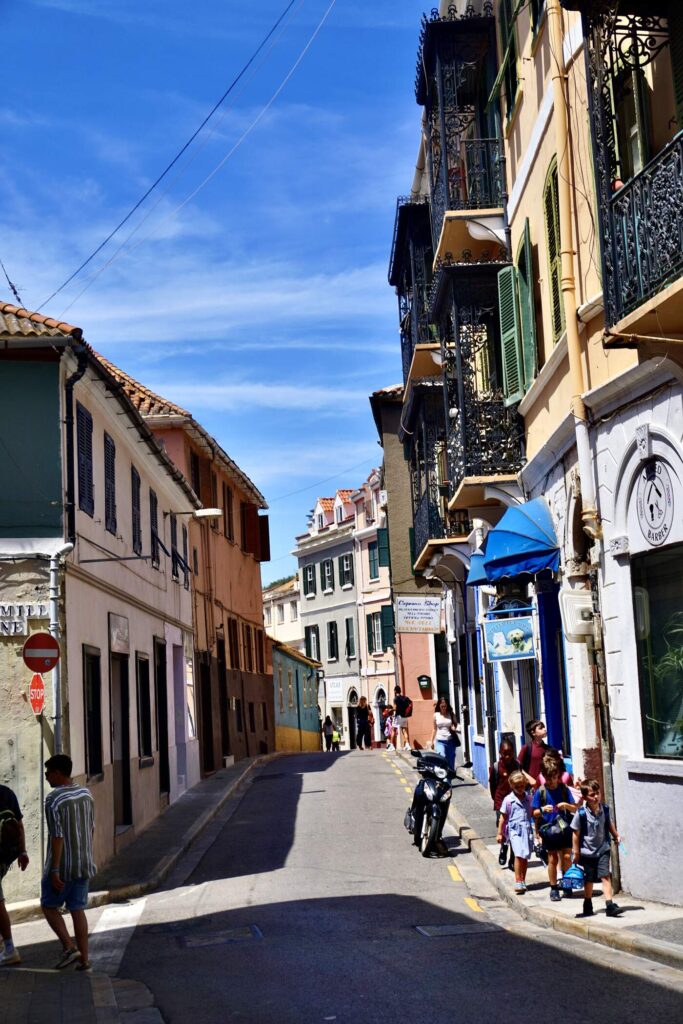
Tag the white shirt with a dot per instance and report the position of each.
(443, 725)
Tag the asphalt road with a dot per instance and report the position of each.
(303, 901)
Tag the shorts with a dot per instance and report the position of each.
(558, 841)
(399, 722)
(74, 895)
(595, 868)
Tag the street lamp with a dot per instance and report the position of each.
(199, 513)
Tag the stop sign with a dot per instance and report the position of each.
(36, 694)
(41, 652)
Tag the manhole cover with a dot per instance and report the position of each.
(220, 938)
(442, 931)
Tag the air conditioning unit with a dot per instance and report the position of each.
(576, 609)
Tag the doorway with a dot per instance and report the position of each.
(206, 714)
(223, 698)
(528, 692)
(491, 711)
(120, 742)
(161, 694)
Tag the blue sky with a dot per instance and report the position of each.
(262, 304)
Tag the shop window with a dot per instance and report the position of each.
(478, 707)
(658, 599)
(92, 686)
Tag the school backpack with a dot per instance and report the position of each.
(10, 838)
(583, 824)
(409, 709)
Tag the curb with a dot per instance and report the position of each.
(28, 910)
(667, 953)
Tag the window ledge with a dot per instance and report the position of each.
(309, 597)
(372, 579)
(331, 660)
(654, 766)
(146, 762)
(329, 590)
(347, 586)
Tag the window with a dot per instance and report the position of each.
(243, 525)
(260, 656)
(373, 559)
(174, 548)
(186, 564)
(350, 647)
(374, 629)
(92, 699)
(509, 48)
(144, 706)
(383, 546)
(321, 520)
(248, 652)
(228, 515)
(280, 613)
(552, 230)
(312, 642)
(632, 118)
(332, 642)
(339, 514)
(136, 515)
(195, 476)
(153, 526)
(238, 715)
(195, 561)
(309, 580)
(293, 611)
(267, 615)
(86, 494)
(327, 575)
(252, 717)
(656, 579)
(233, 636)
(280, 688)
(346, 570)
(109, 485)
(290, 687)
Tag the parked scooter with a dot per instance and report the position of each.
(426, 816)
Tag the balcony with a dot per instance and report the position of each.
(646, 227)
(485, 452)
(435, 529)
(410, 274)
(467, 203)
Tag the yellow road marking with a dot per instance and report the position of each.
(408, 789)
(404, 781)
(472, 904)
(454, 873)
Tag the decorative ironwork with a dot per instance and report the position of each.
(641, 221)
(410, 271)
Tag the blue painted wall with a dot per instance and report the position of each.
(306, 717)
(31, 501)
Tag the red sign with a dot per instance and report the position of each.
(36, 694)
(41, 652)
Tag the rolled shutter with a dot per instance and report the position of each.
(371, 645)
(510, 335)
(383, 546)
(388, 631)
(527, 309)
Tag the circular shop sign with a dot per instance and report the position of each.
(655, 502)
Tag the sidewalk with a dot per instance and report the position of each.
(44, 996)
(647, 929)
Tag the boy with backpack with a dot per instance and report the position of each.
(593, 831)
(403, 709)
(12, 847)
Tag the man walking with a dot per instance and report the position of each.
(70, 818)
(12, 847)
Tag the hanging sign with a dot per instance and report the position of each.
(418, 614)
(509, 639)
(36, 694)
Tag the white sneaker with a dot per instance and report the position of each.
(390, 746)
(9, 959)
(407, 746)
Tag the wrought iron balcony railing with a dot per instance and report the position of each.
(646, 221)
(484, 439)
(428, 523)
(473, 180)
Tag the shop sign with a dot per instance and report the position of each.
(119, 634)
(14, 618)
(655, 502)
(418, 614)
(509, 639)
(335, 690)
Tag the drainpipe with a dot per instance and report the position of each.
(589, 512)
(55, 631)
(80, 353)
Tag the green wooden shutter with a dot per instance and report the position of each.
(322, 576)
(340, 567)
(675, 20)
(527, 309)
(307, 640)
(383, 546)
(331, 561)
(510, 335)
(552, 230)
(351, 569)
(388, 631)
(368, 623)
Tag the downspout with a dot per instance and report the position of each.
(589, 512)
(55, 631)
(80, 353)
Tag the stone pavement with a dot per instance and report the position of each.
(648, 929)
(35, 994)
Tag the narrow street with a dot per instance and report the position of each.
(302, 901)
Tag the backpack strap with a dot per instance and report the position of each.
(525, 757)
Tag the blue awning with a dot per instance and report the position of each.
(524, 541)
(476, 577)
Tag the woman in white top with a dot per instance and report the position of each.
(445, 731)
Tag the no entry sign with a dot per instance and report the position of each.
(41, 652)
(36, 694)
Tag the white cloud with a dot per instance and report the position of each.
(241, 394)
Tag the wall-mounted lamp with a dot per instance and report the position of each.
(199, 513)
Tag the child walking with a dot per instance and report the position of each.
(553, 809)
(515, 819)
(593, 831)
(499, 788)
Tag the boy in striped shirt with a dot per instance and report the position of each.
(70, 818)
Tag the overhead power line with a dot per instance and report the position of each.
(13, 287)
(175, 159)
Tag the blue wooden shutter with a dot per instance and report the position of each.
(510, 336)
(86, 495)
(109, 484)
(388, 632)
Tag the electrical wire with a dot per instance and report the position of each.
(317, 483)
(264, 110)
(175, 158)
(13, 288)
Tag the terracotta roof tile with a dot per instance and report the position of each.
(18, 322)
(145, 401)
(345, 495)
(326, 503)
